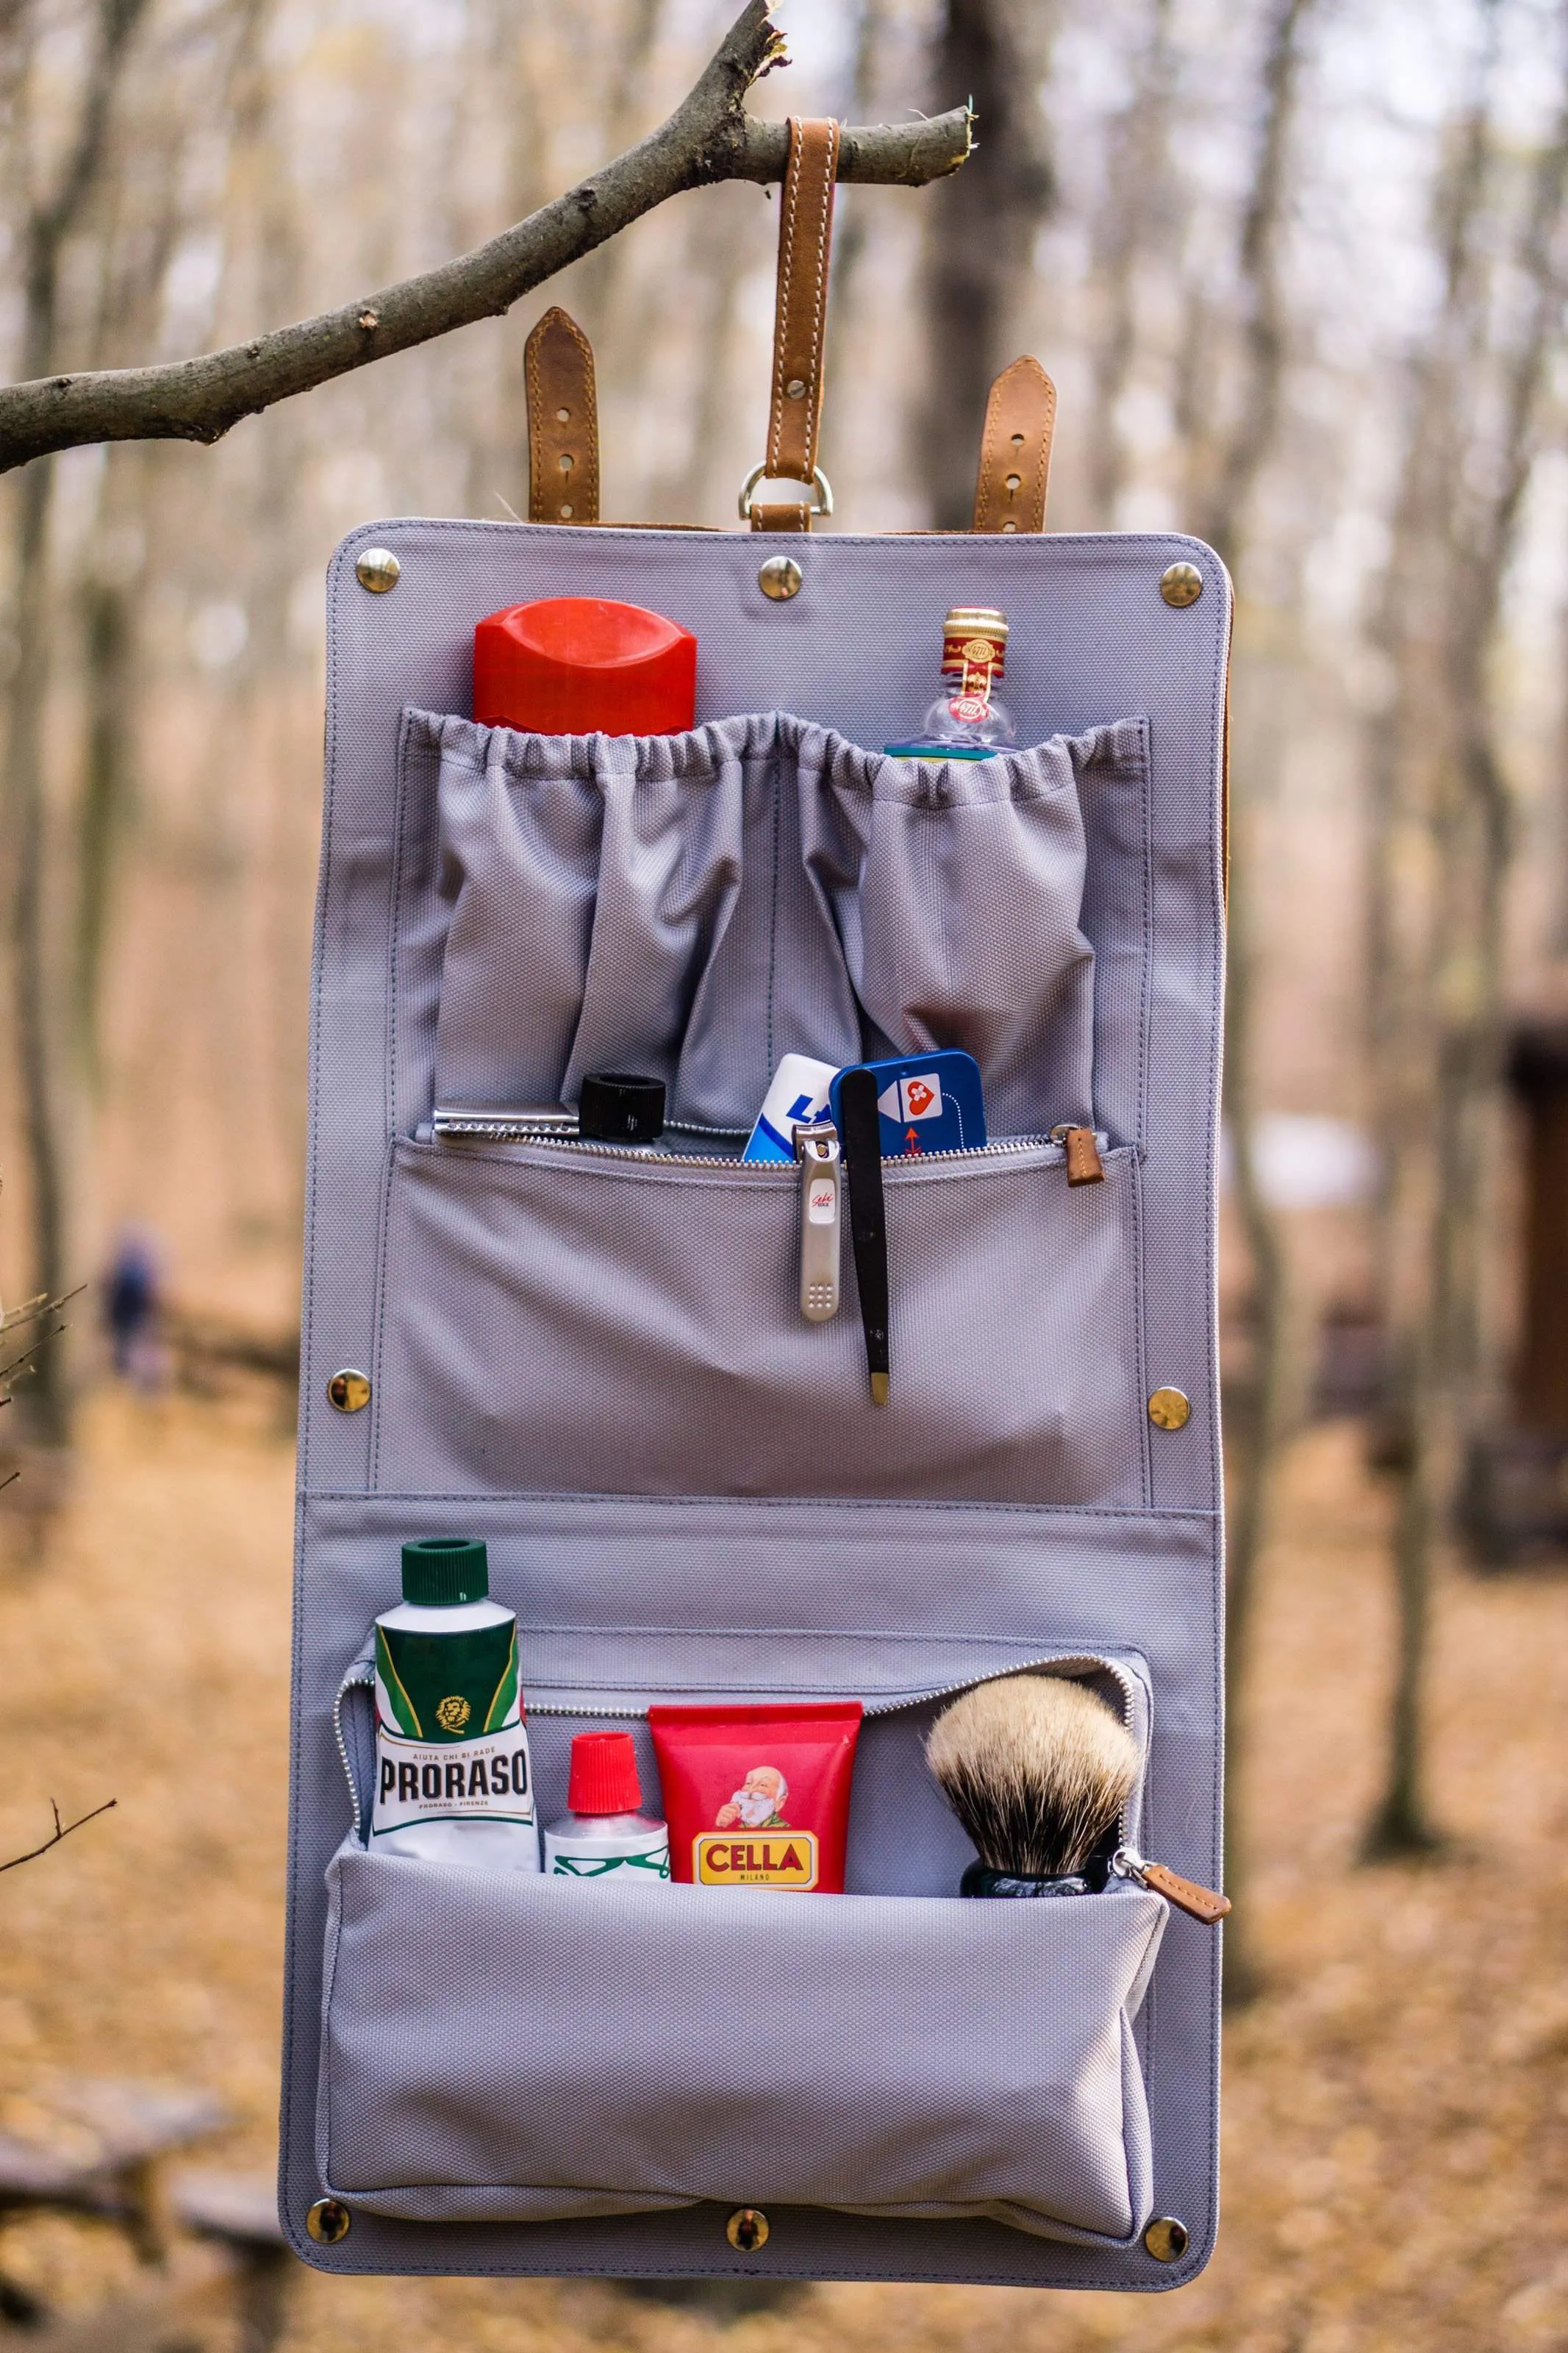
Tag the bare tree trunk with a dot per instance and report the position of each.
(980, 233)
(1472, 827)
(46, 1394)
(1137, 196)
(1257, 1434)
(109, 680)
(1240, 460)
(49, 225)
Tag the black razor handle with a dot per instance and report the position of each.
(862, 1144)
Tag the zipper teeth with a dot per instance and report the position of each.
(643, 1156)
(1120, 1675)
(360, 1674)
(365, 1673)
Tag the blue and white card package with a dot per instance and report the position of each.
(798, 1094)
(926, 1103)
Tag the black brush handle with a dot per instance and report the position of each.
(862, 1144)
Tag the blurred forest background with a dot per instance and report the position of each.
(1298, 270)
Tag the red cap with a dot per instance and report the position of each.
(603, 1774)
(584, 666)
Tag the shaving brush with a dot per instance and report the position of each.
(1038, 1770)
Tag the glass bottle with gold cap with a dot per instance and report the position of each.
(966, 722)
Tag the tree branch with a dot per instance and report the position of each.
(61, 1830)
(709, 138)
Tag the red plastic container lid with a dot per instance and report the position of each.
(585, 666)
(604, 1778)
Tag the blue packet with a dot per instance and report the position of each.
(925, 1102)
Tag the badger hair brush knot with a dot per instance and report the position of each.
(1038, 1770)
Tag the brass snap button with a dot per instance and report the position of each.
(328, 2221)
(378, 570)
(1170, 1408)
(1181, 584)
(1166, 2239)
(347, 1391)
(780, 577)
(747, 2229)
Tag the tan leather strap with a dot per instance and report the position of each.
(800, 318)
(1015, 450)
(562, 422)
(789, 514)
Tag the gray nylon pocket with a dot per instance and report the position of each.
(696, 905)
(558, 1320)
(608, 2051)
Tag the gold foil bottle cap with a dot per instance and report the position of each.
(974, 636)
(977, 621)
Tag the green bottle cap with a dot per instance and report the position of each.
(442, 1571)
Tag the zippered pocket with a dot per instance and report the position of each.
(498, 2047)
(560, 1317)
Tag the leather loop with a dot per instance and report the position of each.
(562, 422)
(806, 236)
(1015, 450)
(786, 514)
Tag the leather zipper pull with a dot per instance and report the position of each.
(1204, 1903)
(1081, 1153)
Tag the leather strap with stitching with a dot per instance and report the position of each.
(1015, 450)
(806, 237)
(562, 422)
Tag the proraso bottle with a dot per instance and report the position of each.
(453, 1778)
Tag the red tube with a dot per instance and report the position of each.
(758, 1797)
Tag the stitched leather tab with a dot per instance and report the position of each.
(806, 236)
(562, 422)
(1015, 450)
(1201, 1902)
(1084, 1165)
(789, 514)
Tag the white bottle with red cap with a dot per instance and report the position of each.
(605, 1835)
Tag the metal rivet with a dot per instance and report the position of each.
(795, 388)
(1170, 1408)
(566, 512)
(1181, 584)
(747, 2229)
(1166, 2239)
(378, 569)
(328, 2221)
(347, 1391)
(780, 577)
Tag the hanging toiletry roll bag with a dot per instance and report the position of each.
(878, 1428)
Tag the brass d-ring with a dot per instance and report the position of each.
(819, 484)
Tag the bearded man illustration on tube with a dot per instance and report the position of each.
(757, 1804)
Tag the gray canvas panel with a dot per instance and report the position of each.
(559, 1319)
(1092, 639)
(623, 1598)
(918, 2056)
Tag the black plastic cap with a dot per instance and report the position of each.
(618, 1107)
(439, 1572)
